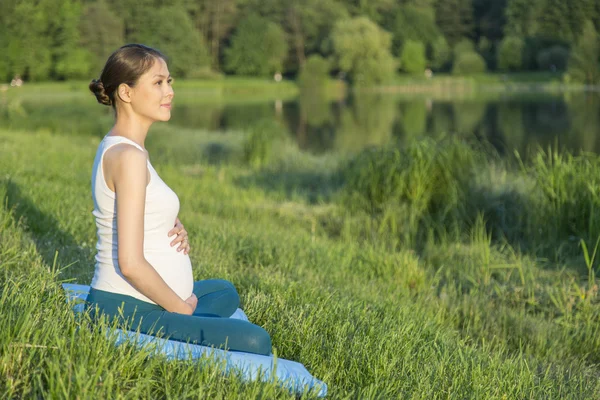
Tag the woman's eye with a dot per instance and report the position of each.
(159, 82)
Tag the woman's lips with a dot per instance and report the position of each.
(166, 106)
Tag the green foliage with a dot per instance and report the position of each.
(258, 48)
(522, 17)
(463, 46)
(584, 61)
(315, 73)
(100, 39)
(416, 23)
(555, 22)
(441, 54)
(490, 303)
(412, 59)
(70, 60)
(177, 39)
(28, 27)
(554, 58)
(510, 53)
(362, 49)
(454, 19)
(468, 63)
(261, 143)
(414, 186)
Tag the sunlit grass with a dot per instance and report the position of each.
(399, 273)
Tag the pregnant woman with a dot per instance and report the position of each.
(143, 271)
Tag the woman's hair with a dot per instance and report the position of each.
(125, 65)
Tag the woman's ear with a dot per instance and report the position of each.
(124, 92)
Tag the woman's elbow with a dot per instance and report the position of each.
(128, 264)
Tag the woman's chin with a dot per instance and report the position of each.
(164, 118)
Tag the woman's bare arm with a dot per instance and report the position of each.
(128, 173)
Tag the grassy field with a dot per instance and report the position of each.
(433, 271)
(191, 91)
(448, 86)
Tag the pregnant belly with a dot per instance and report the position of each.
(176, 270)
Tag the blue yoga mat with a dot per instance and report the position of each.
(290, 374)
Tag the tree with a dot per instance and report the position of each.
(101, 32)
(583, 63)
(362, 49)
(176, 38)
(522, 17)
(413, 59)
(554, 20)
(70, 60)
(375, 10)
(315, 73)
(28, 28)
(468, 63)
(215, 19)
(440, 53)
(510, 53)
(489, 19)
(464, 46)
(307, 24)
(455, 19)
(413, 23)
(258, 48)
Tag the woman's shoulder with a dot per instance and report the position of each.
(123, 159)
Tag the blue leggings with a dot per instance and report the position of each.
(210, 324)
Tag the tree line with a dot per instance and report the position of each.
(368, 41)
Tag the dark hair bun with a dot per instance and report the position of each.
(97, 87)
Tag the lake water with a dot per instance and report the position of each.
(569, 121)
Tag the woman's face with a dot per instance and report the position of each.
(152, 95)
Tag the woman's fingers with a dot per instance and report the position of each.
(176, 229)
(182, 237)
(185, 245)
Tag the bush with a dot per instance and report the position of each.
(410, 190)
(362, 49)
(464, 46)
(510, 53)
(469, 63)
(258, 48)
(412, 59)
(440, 54)
(583, 63)
(314, 73)
(260, 144)
(553, 58)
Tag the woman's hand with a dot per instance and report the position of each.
(192, 301)
(182, 237)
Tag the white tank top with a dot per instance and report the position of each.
(161, 210)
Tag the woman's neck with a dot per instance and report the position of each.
(131, 128)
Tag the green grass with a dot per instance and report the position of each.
(394, 273)
(228, 90)
(489, 85)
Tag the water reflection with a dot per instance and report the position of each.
(517, 122)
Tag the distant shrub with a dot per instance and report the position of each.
(583, 61)
(423, 185)
(258, 48)
(412, 59)
(555, 57)
(314, 73)
(469, 63)
(464, 46)
(510, 53)
(361, 48)
(441, 53)
(260, 144)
